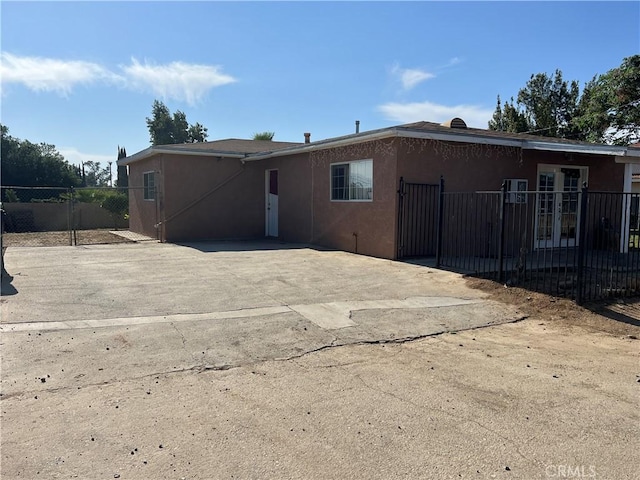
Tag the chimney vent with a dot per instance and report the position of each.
(357, 126)
(307, 138)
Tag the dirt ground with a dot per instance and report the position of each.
(619, 317)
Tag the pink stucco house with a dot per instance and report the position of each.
(343, 192)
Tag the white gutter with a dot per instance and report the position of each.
(573, 148)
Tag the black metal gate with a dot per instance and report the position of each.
(417, 219)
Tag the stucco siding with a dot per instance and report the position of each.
(143, 214)
(210, 198)
(366, 227)
(477, 167)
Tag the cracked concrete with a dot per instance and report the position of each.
(267, 361)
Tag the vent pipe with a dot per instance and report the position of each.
(357, 126)
(307, 138)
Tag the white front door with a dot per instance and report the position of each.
(271, 201)
(557, 205)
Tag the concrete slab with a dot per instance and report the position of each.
(133, 236)
(218, 361)
(164, 307)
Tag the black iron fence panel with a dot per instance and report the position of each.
(417, 219)
(54, 216)
(577, 244)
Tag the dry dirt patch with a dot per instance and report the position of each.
(620, 317)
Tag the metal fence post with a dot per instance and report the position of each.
(400, 236)
(72, 199)
(503, 197)
(440, 222)
(582, 236)
(69, 214)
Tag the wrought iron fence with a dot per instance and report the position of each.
(53, 216)
(577, 244)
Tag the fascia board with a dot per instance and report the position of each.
(570, 148)
(387, 133)
(150, 151)
(460, 137)
(320, 146)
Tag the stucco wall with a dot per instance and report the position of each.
(472, 168)
(295, 206)
(143, 214)
(210, 198)
(334, 223)
(468, 168)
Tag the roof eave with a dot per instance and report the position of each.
(593, 149)
(151, 151)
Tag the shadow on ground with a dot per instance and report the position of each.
(248, 245)
(626, 312)
(7, 288)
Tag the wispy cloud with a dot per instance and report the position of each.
(410, 77)
(76, 157)
(452, 61)
(473, 115)
(50, 74)
(177, 80)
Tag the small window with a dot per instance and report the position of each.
(149, 183)
(352, 181)
(516, 190)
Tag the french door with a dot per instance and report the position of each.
(557, 205)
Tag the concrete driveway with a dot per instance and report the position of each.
(217, 361)
(216, 305)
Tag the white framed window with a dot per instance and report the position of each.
(149, 184)
(352, 181)
(516, 189)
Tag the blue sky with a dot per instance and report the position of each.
(83, 75)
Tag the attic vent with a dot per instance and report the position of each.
(455, 123)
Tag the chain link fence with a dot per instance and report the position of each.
(53, 216)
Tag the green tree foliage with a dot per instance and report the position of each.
(508, 118)
(264, 136)
(116, 203)
(29, 164)
(93, 175)
(550, 104)
(167, 129)
(610, 105)
(545, 106)
(607, 111)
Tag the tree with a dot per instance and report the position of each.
(509, 119)
(550, 104)
(165, 129)
(607, 111)
(122, 181)
(545, 106)
(264, 136)
(28, 164)
(610, 105)
(93, 175)
(197, 133)
(117, 204)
